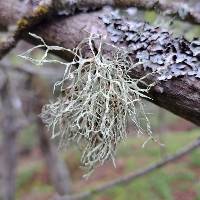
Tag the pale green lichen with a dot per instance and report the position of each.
(97, 97)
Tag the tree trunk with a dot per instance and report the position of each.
(59, 174)
(8, 161)
(58, 171)
(10, 129)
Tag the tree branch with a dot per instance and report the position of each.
(134, 175)
(126, 179)
(17, 9)
(179, 95)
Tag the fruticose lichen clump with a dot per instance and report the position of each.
(97, 97)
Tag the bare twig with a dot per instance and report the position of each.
(134, 175)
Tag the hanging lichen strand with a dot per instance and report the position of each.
(97, 97)
(155, 47)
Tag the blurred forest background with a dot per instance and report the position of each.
(177, 181)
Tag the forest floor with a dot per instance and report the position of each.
(177, 181)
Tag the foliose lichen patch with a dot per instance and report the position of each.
(155, 47)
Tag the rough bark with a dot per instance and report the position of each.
(180, 9)
(179, 95)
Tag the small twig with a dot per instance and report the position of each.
(134, 175)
